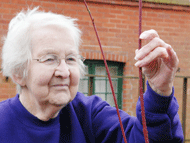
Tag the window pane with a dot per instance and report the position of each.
(114, 82)
(100, 71)
(102, 85)
(110, 99)
(113, 71)
(100, 82)
(102, 96)
(83, 85)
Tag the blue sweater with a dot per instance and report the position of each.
(91, 120)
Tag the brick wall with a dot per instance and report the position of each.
(117, 24)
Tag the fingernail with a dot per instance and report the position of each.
(143, 36)
(137, 64)
(136, 51)
(137, 57)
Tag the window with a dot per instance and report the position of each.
(97, 83)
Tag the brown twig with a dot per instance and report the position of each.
(109, 76)
(145, 131)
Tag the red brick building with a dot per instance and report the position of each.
(117, 24)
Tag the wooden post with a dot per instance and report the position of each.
(184, 105)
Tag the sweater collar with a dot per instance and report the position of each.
(24, 116)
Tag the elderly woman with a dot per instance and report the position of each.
(41, 55)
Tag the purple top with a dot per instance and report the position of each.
(91, 120)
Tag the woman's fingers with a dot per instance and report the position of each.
(159, 52)
(173, 58)
(153, 44)
(156, 48)
(149, 35)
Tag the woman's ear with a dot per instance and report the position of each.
(19, 79)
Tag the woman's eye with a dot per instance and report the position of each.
(71, 59)
(49, 58)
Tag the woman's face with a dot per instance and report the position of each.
(46, 85)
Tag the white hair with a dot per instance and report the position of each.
(16, 51)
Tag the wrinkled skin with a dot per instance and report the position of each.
(159, 62)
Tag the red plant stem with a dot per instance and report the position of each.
(109, 77)
(145, 131)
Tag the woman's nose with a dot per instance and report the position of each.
(63, 69)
